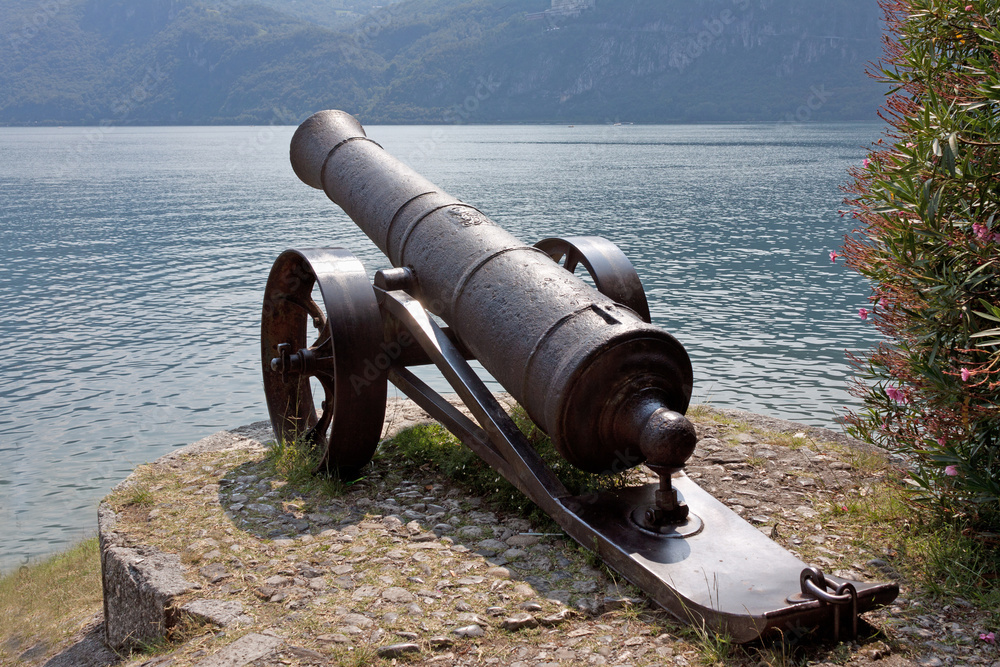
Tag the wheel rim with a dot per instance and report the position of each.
(613, 274)
(343, 358)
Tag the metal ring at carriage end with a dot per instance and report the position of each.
(344, 358)
(815, 586)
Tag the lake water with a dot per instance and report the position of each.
(133, 261)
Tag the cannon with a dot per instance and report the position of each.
(585, 362)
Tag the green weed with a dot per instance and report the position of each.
(47, 603)
(134, 492)
(296, 462)
(433, 444)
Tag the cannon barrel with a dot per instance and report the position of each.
(607, 387)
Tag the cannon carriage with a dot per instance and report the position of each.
(608, 387)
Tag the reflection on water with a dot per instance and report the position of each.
(132, 263)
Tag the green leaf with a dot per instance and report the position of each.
(987, 332)
(994, 313)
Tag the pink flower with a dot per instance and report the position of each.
(951, 471)
(833, 255)
(863, 313)
(988, 637)
(965, 374)
(896, 394)
(968, 8)
(884, 302)
(866, 162)
(942, 441)
(979, 230)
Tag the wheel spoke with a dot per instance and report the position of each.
(317, 435)
(324, 343)
(311, 307)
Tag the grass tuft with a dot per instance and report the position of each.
(433, 444)
(295, 461)
(713, 648)
(783, 439)
(361, 656)
(944, 558)
(868, 461)
(135, 491)
(43, 605)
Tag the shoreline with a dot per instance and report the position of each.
(762, 421)
(752, 418)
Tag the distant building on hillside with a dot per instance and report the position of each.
(571, 6)
(564, 8)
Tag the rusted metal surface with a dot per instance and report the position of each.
(609, 388)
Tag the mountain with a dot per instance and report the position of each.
(337, 14)
(276, 61)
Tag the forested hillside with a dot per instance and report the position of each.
(230, 61)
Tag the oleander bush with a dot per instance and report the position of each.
(928, 240)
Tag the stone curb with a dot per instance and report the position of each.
(141, 582)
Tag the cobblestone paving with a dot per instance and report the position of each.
(406, 567)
